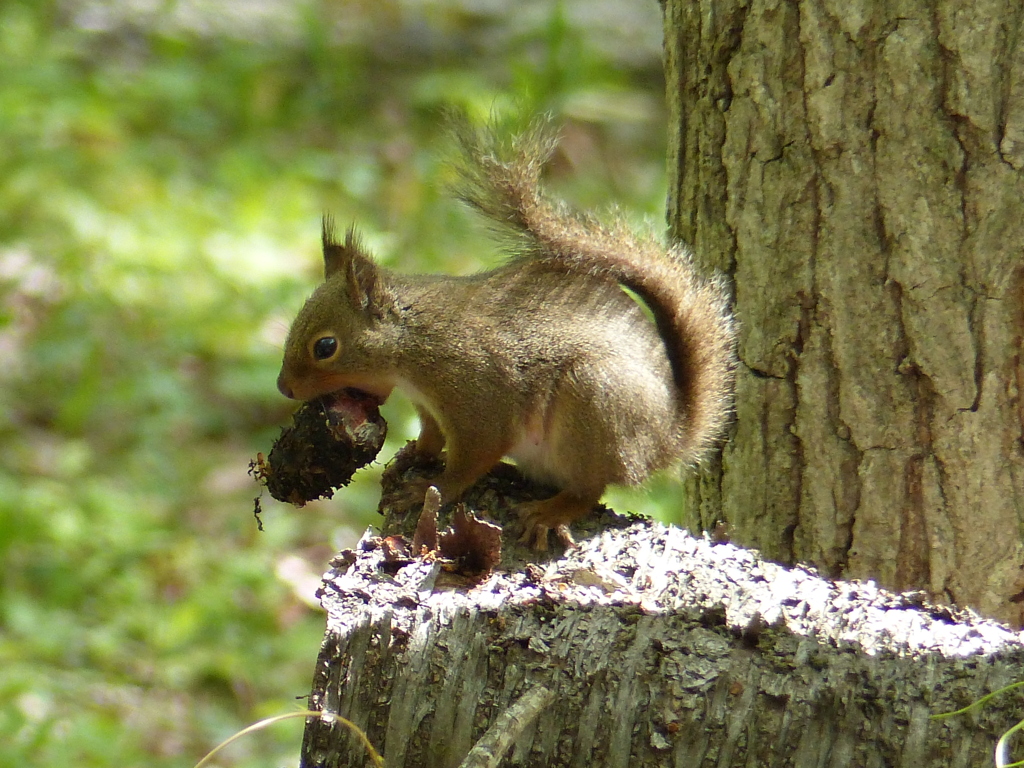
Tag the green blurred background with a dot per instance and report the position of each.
(163, 168)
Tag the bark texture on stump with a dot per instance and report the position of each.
(648, 647)
(857, 168)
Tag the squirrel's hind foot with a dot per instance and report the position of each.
(554, 514)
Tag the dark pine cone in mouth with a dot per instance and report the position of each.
(329, 439)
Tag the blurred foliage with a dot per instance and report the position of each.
(161, 181)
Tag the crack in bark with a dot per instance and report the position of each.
(1017, 361)
(976, 327)
(901, 348)
(912, 561)
(1003, 65)
(951, 550)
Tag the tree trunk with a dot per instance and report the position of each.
(647, 647)
(857, 168)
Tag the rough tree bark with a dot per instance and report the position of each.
(857, 167)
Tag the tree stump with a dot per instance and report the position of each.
(645, 646)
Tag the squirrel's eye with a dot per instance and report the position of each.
(325, 347)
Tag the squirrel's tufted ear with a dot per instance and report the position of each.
(338, 257)
(359, 271)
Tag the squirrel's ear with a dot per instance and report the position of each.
(337, 257)
(349, 259)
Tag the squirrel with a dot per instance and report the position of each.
(544, 359)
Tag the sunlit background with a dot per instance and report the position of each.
(163, 168)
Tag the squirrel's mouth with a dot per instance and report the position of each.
(351, 406)
(353, 398)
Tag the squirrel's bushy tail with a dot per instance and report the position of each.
(499, 175)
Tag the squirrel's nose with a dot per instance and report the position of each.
(283, 388)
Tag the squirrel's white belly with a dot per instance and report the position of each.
(534, 450)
